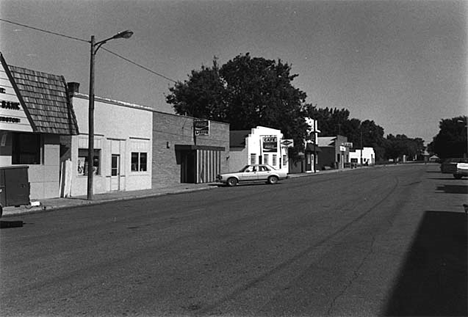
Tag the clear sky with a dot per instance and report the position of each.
(402, 64)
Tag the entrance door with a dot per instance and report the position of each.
(308, 165)
(188, 170)
(115, 172)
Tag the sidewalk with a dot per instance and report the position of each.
(61, 203)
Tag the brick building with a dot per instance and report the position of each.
(183, 155)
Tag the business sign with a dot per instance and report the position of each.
(287, 143)
(270, 143)
(12, 115)
(201, 127)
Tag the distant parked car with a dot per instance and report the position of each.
(458, 167)
(253, 173)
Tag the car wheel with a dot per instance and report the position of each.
(457, 176)
(232, 181)
(272, 179)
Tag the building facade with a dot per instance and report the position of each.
(187, 149)
(35, 112)
(365, 156)
(308, 159)
(260, 145)
(122, 147)
(334, 152)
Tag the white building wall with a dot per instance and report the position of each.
(119, 129)
(368, 156)
(255, 148)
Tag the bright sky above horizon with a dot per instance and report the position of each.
(402, 63)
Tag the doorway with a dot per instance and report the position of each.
(115, 172)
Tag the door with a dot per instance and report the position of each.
(308, 165)
(249, 173)
(115, 172)
(188, 167)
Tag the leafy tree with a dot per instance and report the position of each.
(399, 145)
(245, 92)
(203, 95)
(451, 139)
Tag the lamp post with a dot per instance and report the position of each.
(465, 122)
(94, 48)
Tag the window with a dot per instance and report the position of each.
(273, 159)
(83, 162)
(139, 162)
(26, 148)
(264, 169)
(265, 159)
(253, 158)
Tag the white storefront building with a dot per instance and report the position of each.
(260, 145)
(366, 156)
(122, 147)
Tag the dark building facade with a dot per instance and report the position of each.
(184, 154)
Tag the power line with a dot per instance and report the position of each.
(45, 31)
(81, 40)
(136, 64)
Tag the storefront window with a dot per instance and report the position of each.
(139, 162)
(266, 159)
(273, 159)
(253, 158)
(26, 148)
(83, 162)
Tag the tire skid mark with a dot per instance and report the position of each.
(239, 290)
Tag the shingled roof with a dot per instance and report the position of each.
(44, 98)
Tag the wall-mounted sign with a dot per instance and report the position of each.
(270, 143)
(201, 127)
(10, 105)
(10, 120)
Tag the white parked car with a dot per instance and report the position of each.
(458, 167)
(253, 173)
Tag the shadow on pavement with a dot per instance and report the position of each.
(433, 279)
(11, 224)
(454, 189)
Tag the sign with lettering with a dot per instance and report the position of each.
(201, 127)
(287, 143)
(270, 143)
(12, 115)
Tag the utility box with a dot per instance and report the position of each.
(14, 186)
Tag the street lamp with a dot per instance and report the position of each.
(95, 46)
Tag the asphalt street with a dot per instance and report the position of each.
(387, 241)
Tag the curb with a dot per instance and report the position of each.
(24, 210)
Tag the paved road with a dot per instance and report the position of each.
(368, 242)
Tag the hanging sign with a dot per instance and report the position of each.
(287, 143)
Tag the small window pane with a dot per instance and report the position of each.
(134, 162)
(143, 159)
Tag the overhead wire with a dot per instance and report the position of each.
(82, 40)
(45, 31)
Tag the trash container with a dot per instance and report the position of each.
(14, 186)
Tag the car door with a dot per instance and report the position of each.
(249, 174)
(263, 173)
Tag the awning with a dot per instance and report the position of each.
(191, 147)
(310, 147)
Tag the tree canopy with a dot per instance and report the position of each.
(245, 92)
(253, 91)
(451, 140)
